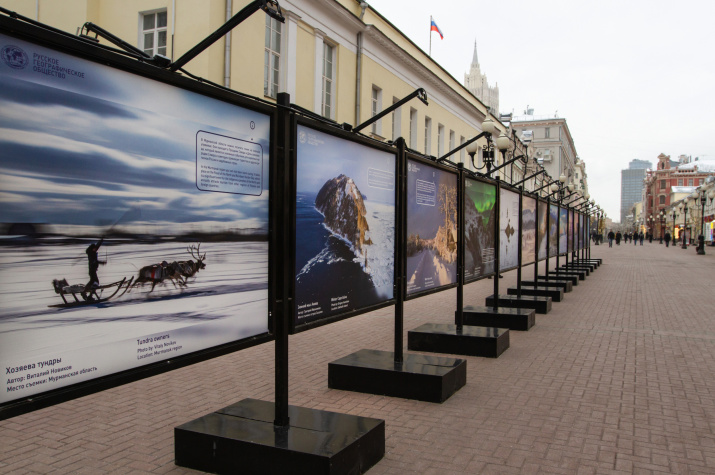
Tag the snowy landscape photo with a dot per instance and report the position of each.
(345, 226)
(479, 228)
(528, 227)
(134, 218)
(553, 230)
(508, 229)
(431, 227)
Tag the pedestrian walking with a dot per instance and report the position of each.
(640, 237)
(610, 238)
(667, 238)
(619, 236)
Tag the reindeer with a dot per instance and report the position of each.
(178, 272)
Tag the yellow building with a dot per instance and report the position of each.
(337, 58)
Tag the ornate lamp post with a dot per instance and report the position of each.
(662, 229)
(651, 227)
(675, 215)
(702, 196)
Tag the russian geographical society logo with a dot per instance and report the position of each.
(14, 57)
(301, 136)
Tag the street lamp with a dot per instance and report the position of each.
(702, 196)
(675, 215)
(651, 226)
(662, 218)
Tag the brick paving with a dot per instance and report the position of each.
(617, 378)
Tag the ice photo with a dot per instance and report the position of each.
(528, 223)
(479, 222)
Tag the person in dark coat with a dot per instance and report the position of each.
(94, 263)
(619, 236)
(610, 238)
(667, 238)
(640, 237)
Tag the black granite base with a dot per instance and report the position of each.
(471, 341)
(595, 262)
(573, 273)
(567, 285)
(241, 438)
(540, 304)
(421, 377)
(556, 293)
(577, 267)
(501, 317)
(571, 278)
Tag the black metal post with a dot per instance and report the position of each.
(536, 255)
(281, 237)
(548, 236)
(459, 316)
(701, 238)
(521, 236)
(419, 93)
(685, 224)
(497, 244)
(400, 234)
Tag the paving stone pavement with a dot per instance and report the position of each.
(617, 378)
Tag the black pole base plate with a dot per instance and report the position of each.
(567, 285)
(556, 294)
(573, 273)
(241, 438)
(540, 304)
(571, 278)
(520, 319)
(591, 262)
(470, 341)
(421, 377)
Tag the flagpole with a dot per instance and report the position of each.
(430, 36)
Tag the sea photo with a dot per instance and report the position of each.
(563, 230)
(345, 226)
(134, 220)
(553, 230)
(508, 229)
(528, 227)
(431, 246)
(479, 228)
(543, 213)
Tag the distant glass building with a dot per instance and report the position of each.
(632, 185)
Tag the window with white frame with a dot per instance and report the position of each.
(413, 128)
(440, 140)
(451, 141)
(547, 133)
(153, 32)
(462, 153)
(376, 107)
(428, 135)
(272, 57)
(396, 120)
(327, 103)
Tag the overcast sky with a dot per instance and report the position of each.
(632, 79)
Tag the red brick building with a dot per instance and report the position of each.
(658, 184)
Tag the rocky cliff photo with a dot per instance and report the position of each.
(342, 205)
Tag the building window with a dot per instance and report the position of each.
(272, 57)
(428, 135)
(396, 120)
(327, 100)
(661, 199)
(690, 182)
(547, 133)
(451, 140)
(662, 184)
(462, 153)
(440, 140)
(680, 182)
(375, 108)
(701, 181)
(153, 37)
(413, 128)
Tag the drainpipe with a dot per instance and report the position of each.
(173, 27)
(358, 72)
(227, 48)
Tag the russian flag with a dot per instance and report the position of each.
(434, 27)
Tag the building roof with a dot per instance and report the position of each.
(703, 165)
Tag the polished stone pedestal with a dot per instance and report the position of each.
(567, 285)
(470, 341)
(241, 438)
(552, 278)
(556, 293)
(421, 377)
(573, 273)
(501, 317)
(578, 267)
(540, 304)
(596, 262)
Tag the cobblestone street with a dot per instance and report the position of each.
(617, 378)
